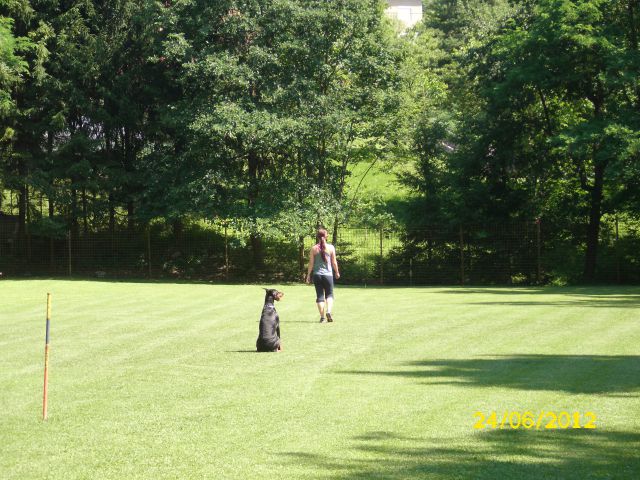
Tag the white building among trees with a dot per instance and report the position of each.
(408, 12)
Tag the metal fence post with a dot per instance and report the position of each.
(301, 270)
(617, 252)
(411, 271)
(148, 235)
(538, 250)
(381, 257)
(461, 257)
(226, 252)
(51, 255)
(366, 257)
(69, 251)
(27, 222)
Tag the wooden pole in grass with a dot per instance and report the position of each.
(46, 360)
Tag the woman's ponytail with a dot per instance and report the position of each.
(321, 236)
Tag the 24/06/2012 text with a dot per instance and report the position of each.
(529, 420)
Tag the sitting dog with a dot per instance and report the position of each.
(269, 334)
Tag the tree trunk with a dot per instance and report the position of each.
(252, 198)
(22, 211)
(321, 162)
(301, 252)
(51, 202)
(112, 225)
(343, 177)
(593, 229)
(85, 217)
(131, 223)
(633, 38)
(633, 29)
(27, 221)
(73, 215)
(258, 250)
(51, 245)
(111, 200)
(129, 158)
(177, 228)
(84, 245)
(21, 239)
(301, 263)
(112, 215)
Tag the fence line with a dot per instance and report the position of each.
(516, 253)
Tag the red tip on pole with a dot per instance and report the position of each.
(46, 360)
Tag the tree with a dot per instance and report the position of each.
(12, 67)
(278, 98)
(567, 81)
(22, 117)
(540, 116)
(452, 186)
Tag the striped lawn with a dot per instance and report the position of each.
(160, 381)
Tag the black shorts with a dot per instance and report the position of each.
(324, 286)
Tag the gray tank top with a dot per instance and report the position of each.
(320, 267)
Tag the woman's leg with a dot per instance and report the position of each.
(318, 283)
(328, 291)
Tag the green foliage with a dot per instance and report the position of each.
(540, 116)
(256, 113)
(274, 113)
(12, 68)
(49, 227)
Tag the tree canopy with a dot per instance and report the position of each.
(254, 112)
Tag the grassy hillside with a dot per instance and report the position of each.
(377, 182)
(381, 179)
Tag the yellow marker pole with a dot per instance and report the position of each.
(46, 360)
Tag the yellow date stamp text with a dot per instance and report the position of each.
(543, 420)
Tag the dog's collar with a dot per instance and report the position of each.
(269, 305)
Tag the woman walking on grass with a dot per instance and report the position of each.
(323, 264)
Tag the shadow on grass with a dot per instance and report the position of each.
(568, 303)
(500, 454)
(604, 290)
(607, 297)
(608, 374)
(616, 297)
(296, 321)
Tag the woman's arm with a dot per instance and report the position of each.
(310, 265)
(334, 263)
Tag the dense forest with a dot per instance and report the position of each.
(120, 115)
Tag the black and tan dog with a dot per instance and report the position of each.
(269, 334)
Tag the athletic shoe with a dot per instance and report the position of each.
(329, 317)
(322, 320)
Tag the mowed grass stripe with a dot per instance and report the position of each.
(171, 388)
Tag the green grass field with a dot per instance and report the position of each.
(160, 381)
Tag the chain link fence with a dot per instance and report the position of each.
(523, 253)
